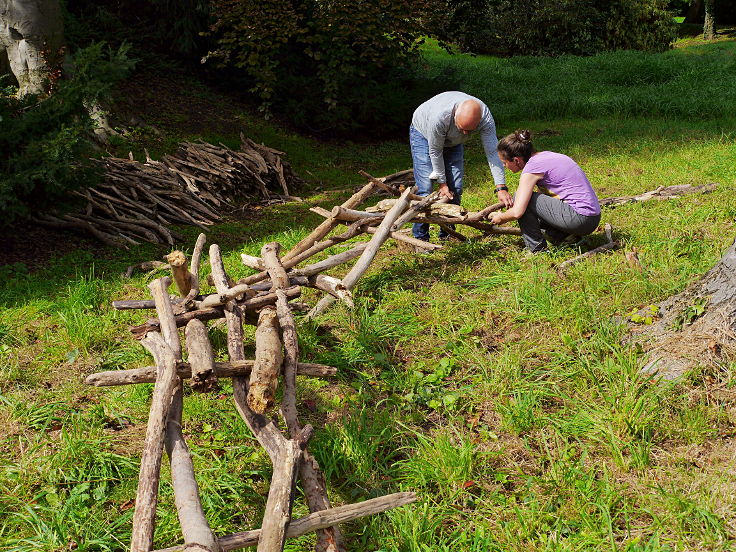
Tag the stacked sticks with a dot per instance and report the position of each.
(261, 299)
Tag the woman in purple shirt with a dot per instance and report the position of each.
(565, 205)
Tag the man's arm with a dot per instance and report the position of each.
(436, 141)
(490, 145)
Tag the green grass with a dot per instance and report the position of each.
(492, 386)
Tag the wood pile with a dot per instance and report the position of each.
(255, 384)
(141, 201)
(264, 299)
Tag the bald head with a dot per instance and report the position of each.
(467, 115)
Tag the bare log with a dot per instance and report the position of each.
(663, 192)
(332, 261)
(417, 207)
(166, 314)
(352, 231)
(326, 227)
(277, 514)
(241, 368)
(201, 358)
(150, 470)
(180, 272)
(193, 523)
(272, 263)
(483, 213)
(269, 356)
(317, 520)
(194, 267)
(379, 183)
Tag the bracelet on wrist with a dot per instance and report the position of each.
(499, 188)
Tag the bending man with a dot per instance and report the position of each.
(439, 128)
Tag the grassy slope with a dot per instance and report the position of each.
(478, 378)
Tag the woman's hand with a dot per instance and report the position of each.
(496, 218)
(505, 197)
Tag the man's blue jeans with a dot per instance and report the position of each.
(454, 167)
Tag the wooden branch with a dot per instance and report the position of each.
(381, 184)
(334, 287)
(437, 208)
(323, 229)
(612, 244)
(201, 358)
(211, 313)
(317, 520)
(382, 233)
(332, 261)
(417, 207)
(272, 264)
(193, 523)
(264, 377)
(398, 236)
(663, 192)
(277, 514)
(194, 267)
(150, 469)
(452, 232)
(166, 314)
(352, 231)
(180, 272)
(240, 368)
(483, 213)
(256, 263)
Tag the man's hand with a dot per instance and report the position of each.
(505, 197)
(444, 191)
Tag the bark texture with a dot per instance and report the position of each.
(32, 35)
(695, 327)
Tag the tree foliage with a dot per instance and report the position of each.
(554, 27)
(326, 64)
(43, 139)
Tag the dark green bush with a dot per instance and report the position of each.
(554, 27)
(332, 66)
(43, 139)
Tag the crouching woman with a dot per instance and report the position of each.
(565, 205)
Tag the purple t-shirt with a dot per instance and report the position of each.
(564, 179)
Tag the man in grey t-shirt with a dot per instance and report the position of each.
(439, 128)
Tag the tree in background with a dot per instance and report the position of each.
(32, 40)
(709, 25)
(330, 66)
(554, 27)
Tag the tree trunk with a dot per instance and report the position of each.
(693, 12)
(697, 326)
(31, 33)
(709, 26)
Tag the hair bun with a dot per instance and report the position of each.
(524, 136)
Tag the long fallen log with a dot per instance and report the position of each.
(315, 521)
(193, 522)
(241, 368)
(166, 349)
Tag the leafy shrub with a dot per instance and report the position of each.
(43, 139)
(329, 66)
(553, 27)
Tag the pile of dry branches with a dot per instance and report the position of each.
(265, 299)
(141, 201)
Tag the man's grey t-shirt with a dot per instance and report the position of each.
(435, 120)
